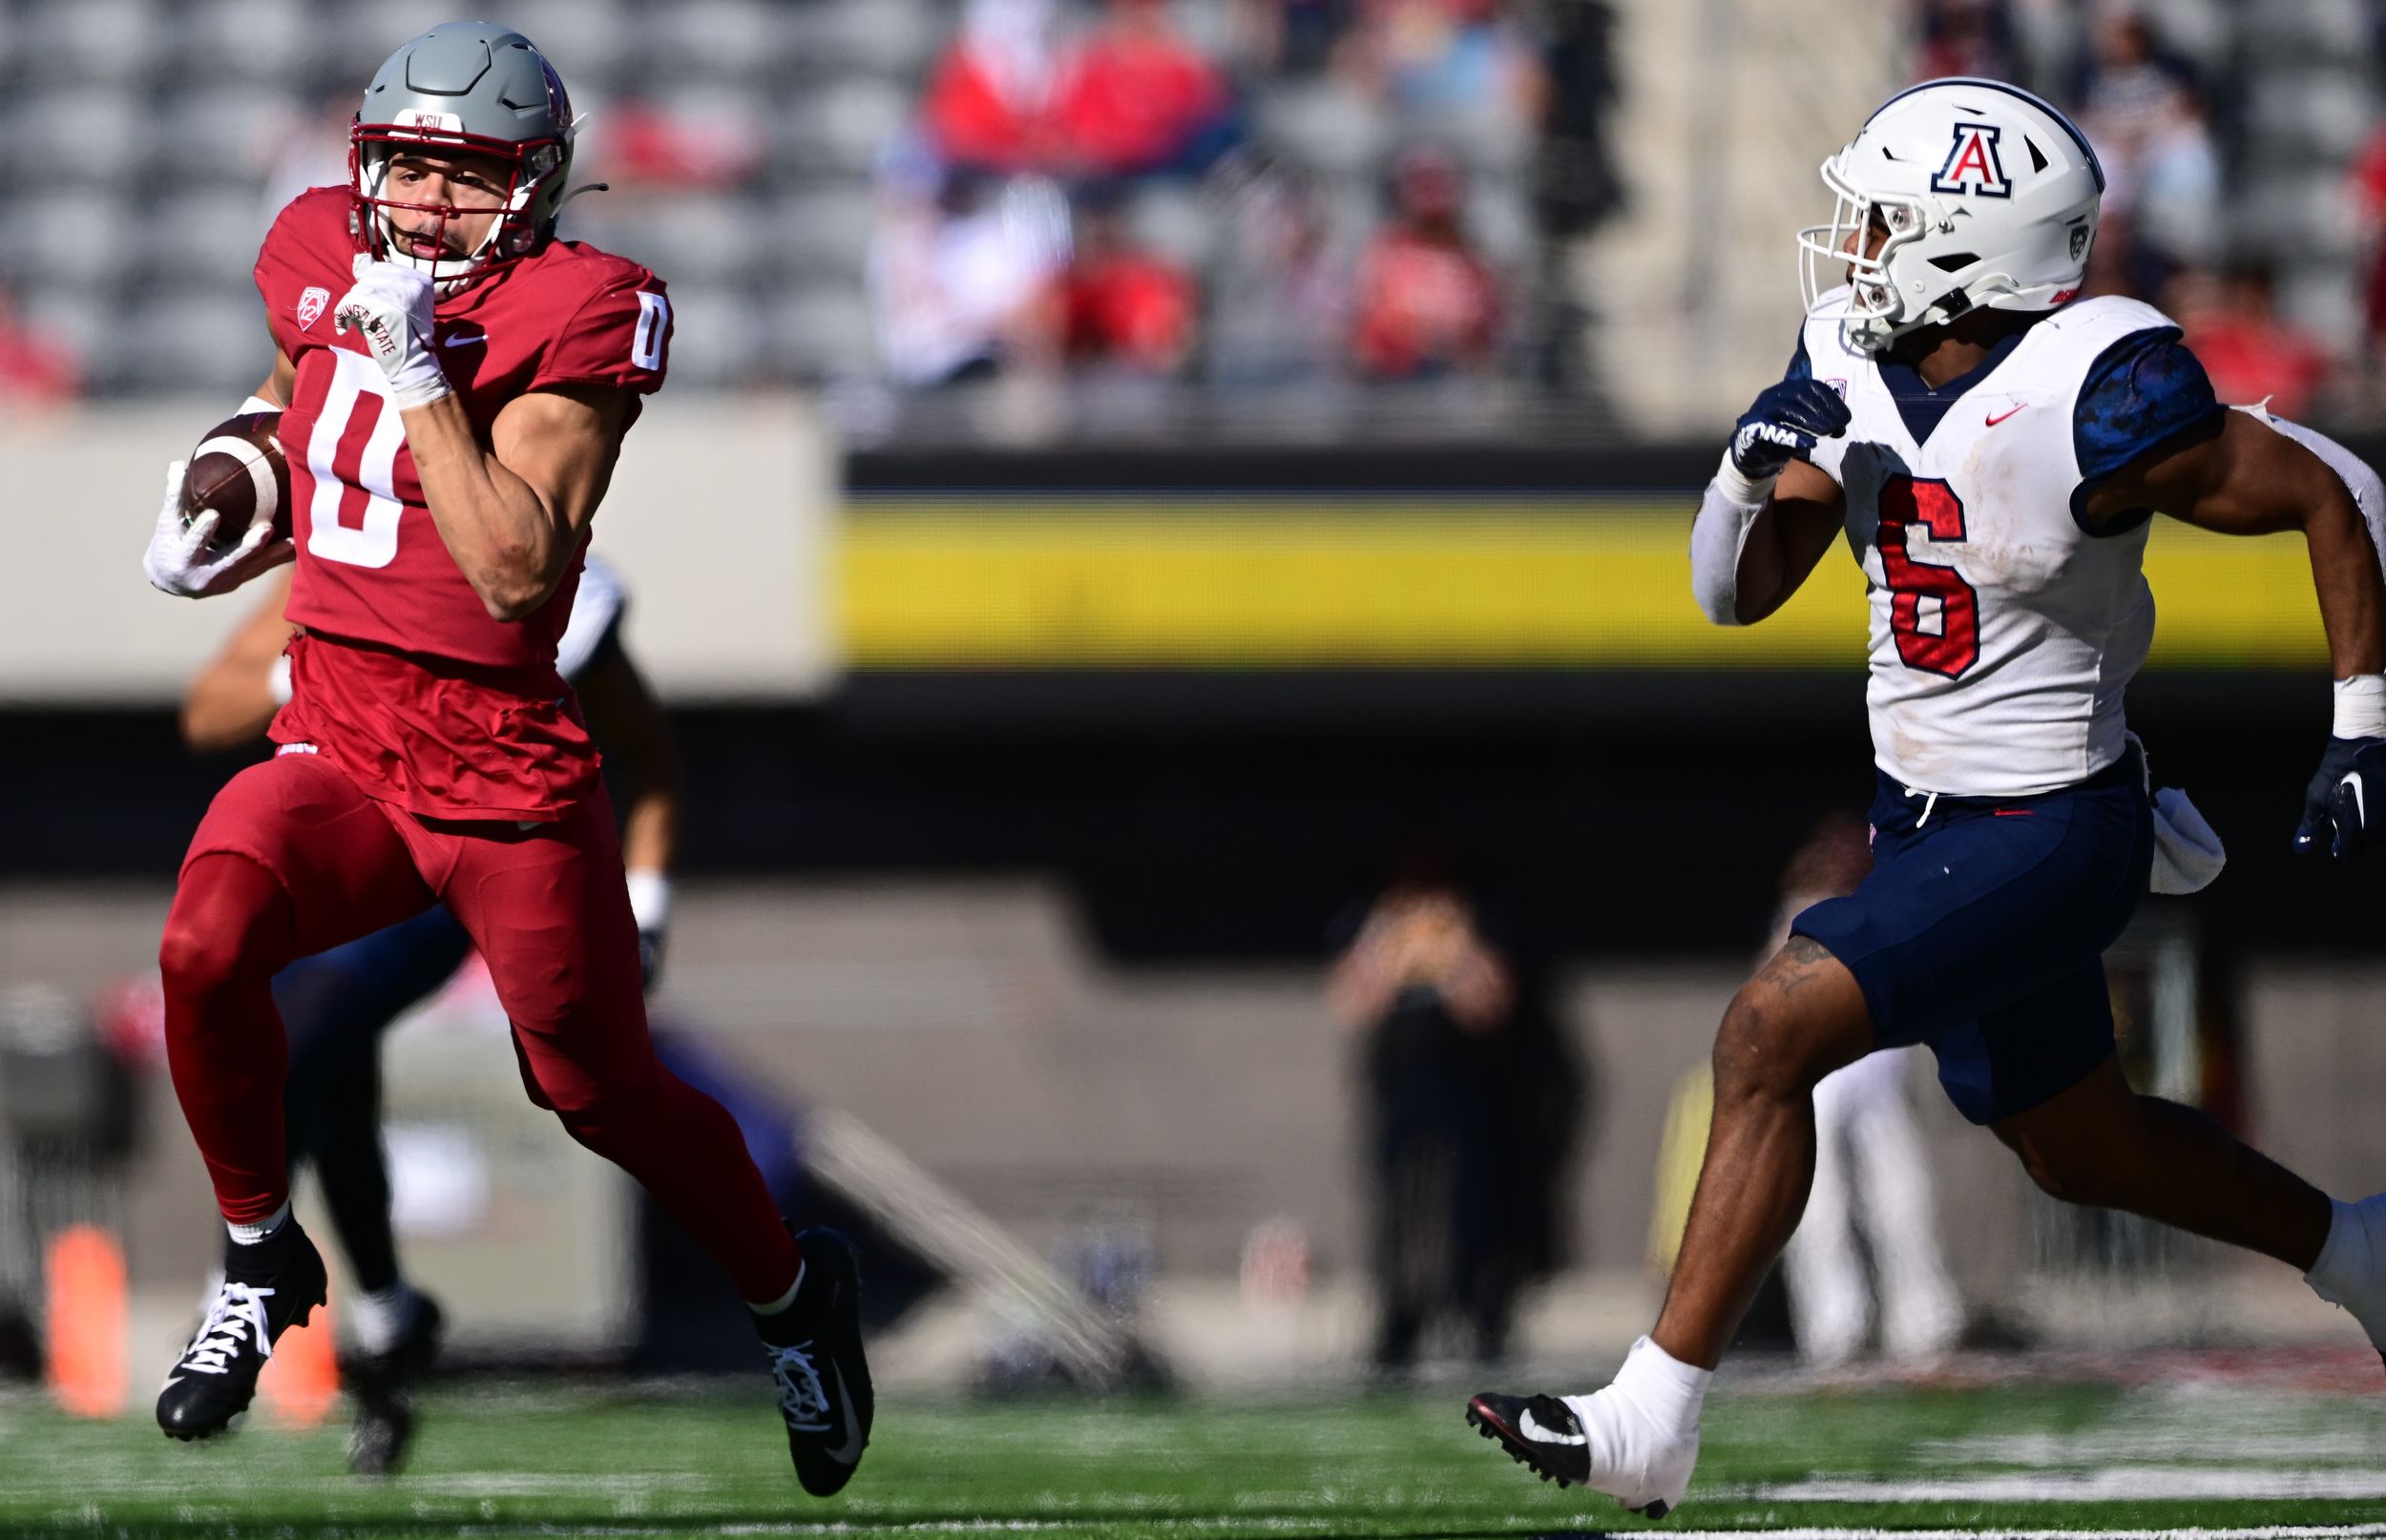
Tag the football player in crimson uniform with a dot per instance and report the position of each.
(336, 1004)
(454, 384)
(1991, 449)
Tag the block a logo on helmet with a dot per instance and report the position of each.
(463, 88)
(1972, 164)
(1957, 195)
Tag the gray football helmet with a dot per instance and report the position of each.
(470, 85)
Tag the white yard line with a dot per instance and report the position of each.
(2126, 1484)
(1211, 1525)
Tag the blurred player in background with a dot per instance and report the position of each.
(336, 1004)
(1992, 452)
(454, 384)
(1871, 1171)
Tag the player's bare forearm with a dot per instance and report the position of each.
(231, 700)
(2248, 479)
(1787, 540)
(512, 547)
(651, 831)
(2345, 574)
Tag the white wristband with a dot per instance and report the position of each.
(2361, 706)
(258, 404)
(650, 898)
(1740, 488)
(277, 680)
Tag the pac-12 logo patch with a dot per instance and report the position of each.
(310, 306)
(1973, 164)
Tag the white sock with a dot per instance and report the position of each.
(2347, 1270)
(1670, 1391)
(249, 1234)
(780, 1303)
(381, 1317)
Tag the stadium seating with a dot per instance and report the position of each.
(140, 142)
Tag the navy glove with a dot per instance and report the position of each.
(1783, 426)
(650, 957)
(2336, 803)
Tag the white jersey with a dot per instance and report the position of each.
(2002, 633)
(595, 609)
(2369, 493)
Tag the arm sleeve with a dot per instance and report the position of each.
(620, 335)
(1801, 368)
(2143, 392)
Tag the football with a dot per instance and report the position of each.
(239, 472)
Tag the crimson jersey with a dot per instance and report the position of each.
(402, 678)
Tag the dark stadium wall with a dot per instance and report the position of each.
(1233, 811)
(1233, 816)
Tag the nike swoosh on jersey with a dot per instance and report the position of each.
(466, 339)
(851, 1450)
(1999, 417)
(1532, 1429)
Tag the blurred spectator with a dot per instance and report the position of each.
(1281, 302)
(2177, 195)
(310, 151)
(1871, 1171)
(1577, 184)
(35, 369)
(1446, 60)
(1139, 98)
(2128, 92)
(2250, 353)
(1292, 38)
(991, 99)
(691, 145)
(1426, 304)
(1472, 1097)
(2367, 179)
(959, 268)
(1118, 303)
(1132, 97)
(1966, 37)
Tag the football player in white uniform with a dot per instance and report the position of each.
(1991, 448)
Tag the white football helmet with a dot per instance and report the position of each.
(1987, 196)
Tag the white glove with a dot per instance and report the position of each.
(177, 560)
(390, 303)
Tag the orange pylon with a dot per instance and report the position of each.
(86, 1322)
(300, 1383)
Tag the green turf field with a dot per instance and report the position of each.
(540, 1460)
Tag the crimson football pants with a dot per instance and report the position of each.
(292, 859)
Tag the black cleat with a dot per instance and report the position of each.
(268, 1288)
(815, 1348)
(1542, 1434)
(383, 1385)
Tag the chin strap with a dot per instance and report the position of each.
(584, 187)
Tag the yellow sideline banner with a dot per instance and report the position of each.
(1287, 582)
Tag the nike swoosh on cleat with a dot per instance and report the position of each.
(851, 1450)
(1534, 1431)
